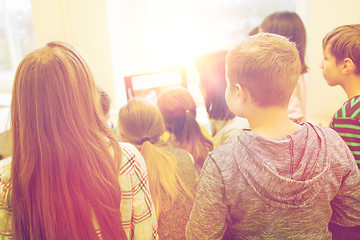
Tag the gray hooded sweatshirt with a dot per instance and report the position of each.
(284, 188)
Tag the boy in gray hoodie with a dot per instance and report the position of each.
(280, 180)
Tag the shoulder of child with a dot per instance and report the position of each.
(131, 158)
(336, 147)
(223, 154)
(330, 135)
(5, 169)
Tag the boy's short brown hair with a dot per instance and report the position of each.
(268, 65)
(344, 42)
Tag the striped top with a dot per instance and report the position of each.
(346, 122)
(137, 210)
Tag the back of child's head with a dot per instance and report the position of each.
(176, 105)
(140, 120)
(289, 25)
(105, 101)
(211, 69)
(344, 42)
(254, 31)
(63, 161)
(267, 65)
(141, 123)
(179, 111)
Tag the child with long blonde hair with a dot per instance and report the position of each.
(171, 171)
(69, 178)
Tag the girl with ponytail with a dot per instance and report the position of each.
(179, 111)
(68, 177)
(171, 171)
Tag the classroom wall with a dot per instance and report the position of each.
(85, 24)
(324, 15)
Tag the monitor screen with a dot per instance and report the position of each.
(149, 85)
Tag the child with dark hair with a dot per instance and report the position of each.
(341, 66)
(105, 102)
(254, 31)
(224, 125)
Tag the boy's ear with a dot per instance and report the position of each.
(348, 66)
(242, 93)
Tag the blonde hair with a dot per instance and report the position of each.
(141, 124)
(268, 65)
(343, 42)
(179, 111)
(63, 170)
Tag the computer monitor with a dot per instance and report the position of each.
(149, 85)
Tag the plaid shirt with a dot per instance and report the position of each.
(136, 207)
(137, 210)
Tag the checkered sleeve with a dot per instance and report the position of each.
(138, 214)
(5, 213)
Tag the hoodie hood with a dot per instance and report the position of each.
(286, 172)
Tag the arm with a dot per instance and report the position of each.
(5, 213)
(349, 130)
(346, 204)
(138, 214)
(208, 216)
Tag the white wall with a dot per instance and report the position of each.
(83, 24)
(128, 43)
(323, 16)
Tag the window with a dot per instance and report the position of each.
(156, 35)
(16, 38)
(180, 30)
